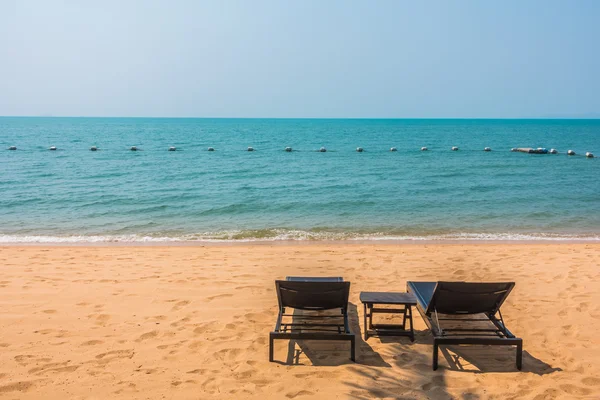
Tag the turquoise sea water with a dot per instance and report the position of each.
(74, 194)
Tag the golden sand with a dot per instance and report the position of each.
(192, 322)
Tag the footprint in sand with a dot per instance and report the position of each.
(54, 368)
(575, 390)
(147, 335)
(92, 343)
(293, 395)
(218, 296)
(16, 387)
(110, 355)
(180, 304)
(102, 319)
(180, 322)
(591, 381)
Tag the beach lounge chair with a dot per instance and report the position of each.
(465, 313)
(323, 316)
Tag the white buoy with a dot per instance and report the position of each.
(288, 149)
(487, 149)
(172, 148)
(589, 155)
(133, 148)
(570, 152)
(12, 148)
(211, 149)
(359, 149)
(93, 148)
(393, 149)
(553, 151)
(250, 148)
(454, 148)
(513, 149)
(423, 148)
(52, 147)
(322, 150)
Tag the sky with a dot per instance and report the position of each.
(310, 58)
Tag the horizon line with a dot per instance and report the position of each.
(328, 118)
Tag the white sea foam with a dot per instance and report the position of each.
(293, 235)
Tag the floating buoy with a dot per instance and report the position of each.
(133, 148)
(553, 151)
(423, 148)
(514, 149)
(93, 148)
(393, 149)
(487, 149)
(250, 148)
(172, 148)
(542, 150)
(288, 149)
(322, 150)
(211, 149)
(12, 148)
(359, 149)
(454, 148)
(52, 147)
(570, 152)
(589, 155)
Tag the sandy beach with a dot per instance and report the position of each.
(192, 322)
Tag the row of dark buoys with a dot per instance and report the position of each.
(539, 150)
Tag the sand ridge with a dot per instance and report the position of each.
(191, 322)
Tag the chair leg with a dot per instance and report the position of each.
(520, 356)
(271, 348)
(353, 349)
(435, 355)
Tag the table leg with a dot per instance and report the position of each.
(365, 322)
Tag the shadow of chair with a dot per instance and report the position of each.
(329, 353)
(481, 359)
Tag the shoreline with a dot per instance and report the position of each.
(251, 243)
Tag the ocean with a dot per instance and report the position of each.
(230, 194)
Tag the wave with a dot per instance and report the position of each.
(272, 235)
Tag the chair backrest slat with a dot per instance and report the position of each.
(313, 295)
(469, 297)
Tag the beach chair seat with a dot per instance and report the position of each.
(320, 312)
(465, 313)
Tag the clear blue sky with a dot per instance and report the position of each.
(254, 58)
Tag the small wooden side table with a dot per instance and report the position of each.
(371, 300)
